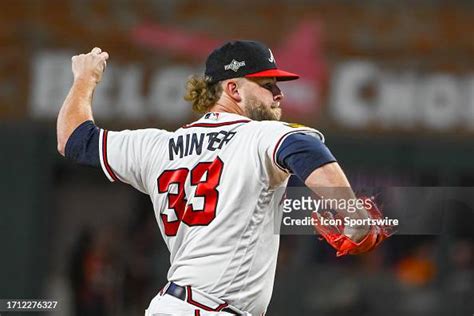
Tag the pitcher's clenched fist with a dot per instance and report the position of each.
(90, 66)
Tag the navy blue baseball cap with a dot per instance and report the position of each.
(248, 59)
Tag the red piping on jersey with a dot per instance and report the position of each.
(197, 312)
(104, 155)
(189, 299)
(215, 124)
(277, 146)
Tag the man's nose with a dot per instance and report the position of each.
(277, 94)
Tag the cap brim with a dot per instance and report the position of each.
(280, 75)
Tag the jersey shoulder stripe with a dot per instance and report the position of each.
(103, 156)
(297, 129)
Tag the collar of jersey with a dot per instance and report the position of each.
(222, 117)
(218, 119)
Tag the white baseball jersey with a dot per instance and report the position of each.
(214, 187)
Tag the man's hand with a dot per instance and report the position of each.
(330, 182)
(77, 107)
(90, 66)
(337, 237)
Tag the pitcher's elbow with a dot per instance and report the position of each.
(61, 147)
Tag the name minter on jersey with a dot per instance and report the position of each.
(192, 143)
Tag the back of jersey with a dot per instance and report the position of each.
(216, 190)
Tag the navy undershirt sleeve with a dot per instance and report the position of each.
(83, 145)
(302, 154)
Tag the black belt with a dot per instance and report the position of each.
(179, 292)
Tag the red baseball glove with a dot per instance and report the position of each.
(334, 234)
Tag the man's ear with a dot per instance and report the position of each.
(231, 88)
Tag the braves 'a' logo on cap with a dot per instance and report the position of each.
(234, 65)
(271, 59)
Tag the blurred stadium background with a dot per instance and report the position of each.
(391, 84)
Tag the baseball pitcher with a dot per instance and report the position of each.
(217, 183)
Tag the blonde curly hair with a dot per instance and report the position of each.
(202, 93)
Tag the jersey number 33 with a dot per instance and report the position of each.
(205, 177)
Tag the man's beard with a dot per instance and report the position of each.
(257, 111)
